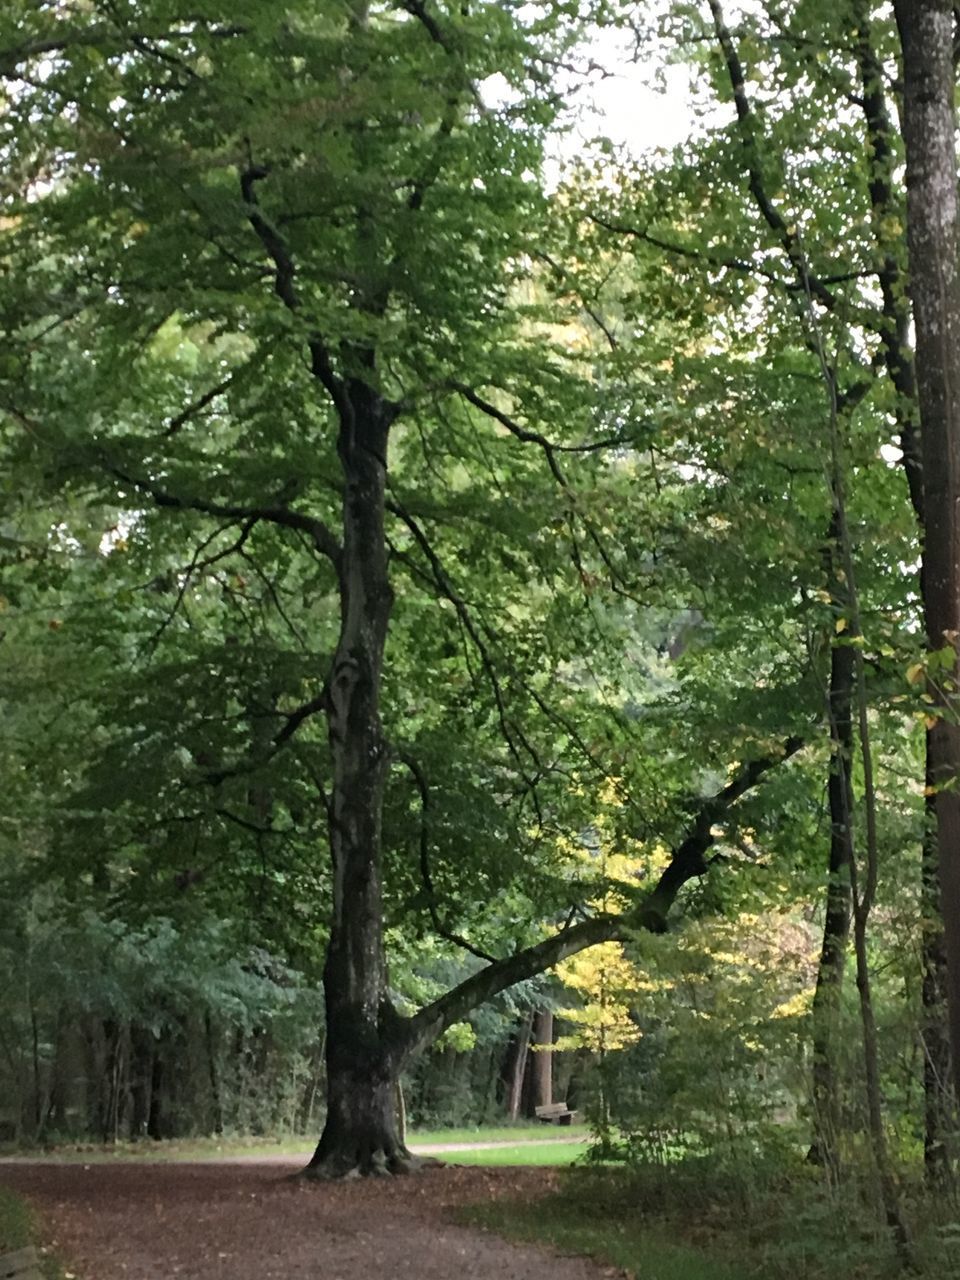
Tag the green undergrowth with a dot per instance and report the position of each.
(693, 1220)
(17, 1230)
(631, 1245)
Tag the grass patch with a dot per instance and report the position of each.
(168, 1149)
(552, 1153)
(17, 1230)
(500, 1133)
(14, 1222)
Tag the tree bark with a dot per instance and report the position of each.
(939, 1108)
(365, 1045)
(926, 34)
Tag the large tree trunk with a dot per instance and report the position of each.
(926, 33)
(365, 1043)
(939, 1107)
(836, 927)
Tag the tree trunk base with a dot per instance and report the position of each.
(341, 1166)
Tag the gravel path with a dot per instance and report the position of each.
(251, 1222)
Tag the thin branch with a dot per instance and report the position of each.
(182, 418)
(439, 927)
(294, 719)
(722, 261)
(196, 566)
(512, 735)
(322, 536)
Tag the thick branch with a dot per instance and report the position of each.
(322, 536)
(284, 284)
(687, 862)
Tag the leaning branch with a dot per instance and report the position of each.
(687, 862)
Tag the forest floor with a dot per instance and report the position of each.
(251, 1222)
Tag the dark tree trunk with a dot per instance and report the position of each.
(156, 1127)
(836, 926)
(538, 1082)
(142, 1047)
(109, 1101)
(926, 33)
(216, 1101)
(938, 1093)
(365, 1042)
(515, 1065)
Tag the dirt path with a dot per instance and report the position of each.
(249, 1222)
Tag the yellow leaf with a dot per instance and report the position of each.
(915, 673)
(841, 625)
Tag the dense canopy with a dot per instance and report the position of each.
(503, 578)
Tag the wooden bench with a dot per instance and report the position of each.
(556, 1113)
(23, 1264)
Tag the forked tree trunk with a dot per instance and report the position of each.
(926, 34)
(365, 1044)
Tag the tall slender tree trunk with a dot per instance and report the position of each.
(365, 1044)
(836, 926)
(538, 1078)
(213, 1073)
(515, 1065)
(926, 33)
